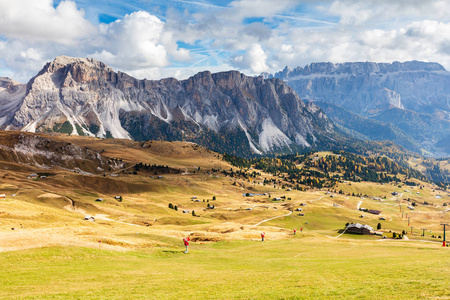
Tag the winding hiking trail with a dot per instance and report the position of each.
(105, 218)
(315, 199)
(290, 212)
(335, 237)
(359, 204)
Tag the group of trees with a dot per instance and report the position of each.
(360, 168)
(310, 170)
(437, 173)
(155, 169)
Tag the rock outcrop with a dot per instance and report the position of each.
(47, 153)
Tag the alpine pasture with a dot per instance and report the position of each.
(132, 247)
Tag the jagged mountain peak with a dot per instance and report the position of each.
(8, 83)
(82, 96)
(64, 69)
(359, 68)
(63, 61)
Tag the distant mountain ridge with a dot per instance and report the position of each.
(413, 96)
(226, 111)
(367, 128)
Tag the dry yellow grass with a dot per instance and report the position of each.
(48, 211)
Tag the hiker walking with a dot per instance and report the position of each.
(295, 231)
(301, 229)
(262, 236)
(186, 243)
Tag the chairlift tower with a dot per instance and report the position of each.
(444, 242)
(423, 231)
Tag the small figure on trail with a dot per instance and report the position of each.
(295, 231)
(301, 229)
(186, 243)
(262, 236)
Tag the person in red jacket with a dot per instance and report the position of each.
(262, 236)
(295, 231)
(186, 243)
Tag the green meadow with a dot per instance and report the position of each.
(301, 267)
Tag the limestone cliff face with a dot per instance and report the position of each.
(11, 95)
(412, 96)
(367, 88)
(86, 97)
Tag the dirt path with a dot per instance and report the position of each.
(290, 212)
(316, 199)
(409, 240)
(359, 204)
(335, 237)
(118, 171)
(105, 218)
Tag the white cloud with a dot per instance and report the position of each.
(133, 42)
(139, 40)
(425, 40)
(35, 31)
(242, 9)
(368, 12)
(38, 20)
(253, 60)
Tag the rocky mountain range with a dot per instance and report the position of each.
(225, 111)
(411, 98)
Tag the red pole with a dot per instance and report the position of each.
(443, 243)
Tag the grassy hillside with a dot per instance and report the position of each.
(134, 247)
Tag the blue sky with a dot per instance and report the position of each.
(178, 38)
